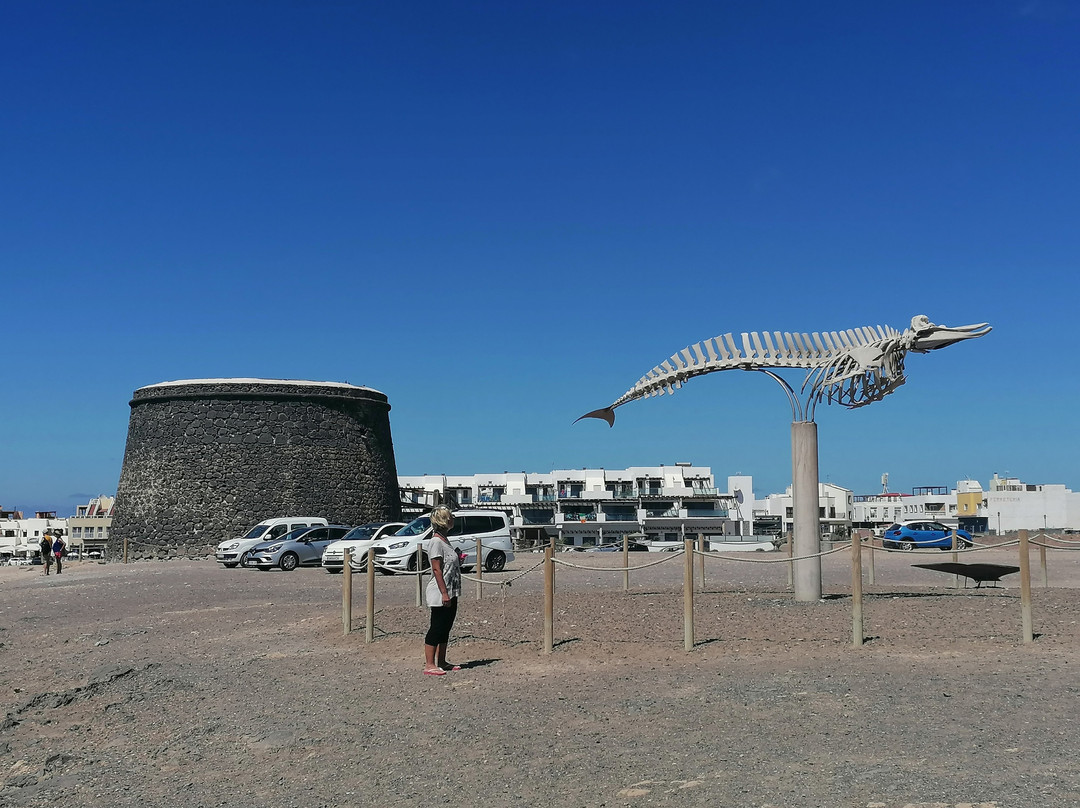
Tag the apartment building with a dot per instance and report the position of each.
(89, 527)
(586, 507)
(1006, 506)
(20, 536)
(835, 510)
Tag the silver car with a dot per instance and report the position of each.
(302, 547)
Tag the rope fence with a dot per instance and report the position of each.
(691, 582)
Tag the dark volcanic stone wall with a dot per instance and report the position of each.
(207, 459)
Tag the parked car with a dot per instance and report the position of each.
(398, 552)
(910, 535)
(356, 541)
(234, 551)
(616, 547)
(302, 547)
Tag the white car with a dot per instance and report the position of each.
(233, 552)
(356, 541)
(397, 552)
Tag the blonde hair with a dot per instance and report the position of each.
(442, 518)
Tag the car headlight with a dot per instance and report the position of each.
(273, 548)
(398, 545)
(232, 546)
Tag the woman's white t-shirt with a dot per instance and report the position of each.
(437, 547)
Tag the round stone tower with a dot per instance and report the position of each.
(208, 458)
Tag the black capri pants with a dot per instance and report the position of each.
(442, 620)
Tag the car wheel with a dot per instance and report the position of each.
(230, 566)
(383, 571)
(907, 544)
(288, 562)
(332, 570)
(495, 561)
(244, 557)
(423, 560)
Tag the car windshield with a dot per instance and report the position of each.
(256, 531)
(893, 527)
(417, 526)
(295, 533)
(361, 532)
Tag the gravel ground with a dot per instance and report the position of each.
(183, 683)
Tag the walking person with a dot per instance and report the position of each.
(442, 592)
(46, 551)
(59, 547)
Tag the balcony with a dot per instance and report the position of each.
(586, 516)
(657, 513)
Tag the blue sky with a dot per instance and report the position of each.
(502, 214)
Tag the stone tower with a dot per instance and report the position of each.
(208, 458)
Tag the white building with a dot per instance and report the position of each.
(585, 507)
(1012, 505)
(925, 503)
(1009, 505)
(835, 510)
(20, 537)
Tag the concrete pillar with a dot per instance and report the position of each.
(804, 491)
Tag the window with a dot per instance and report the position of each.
(544, 517)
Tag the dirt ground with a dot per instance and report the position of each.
(183, 683)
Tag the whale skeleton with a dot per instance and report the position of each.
(852, 368)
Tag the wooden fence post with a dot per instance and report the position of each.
(369, 631)
(701, 558)
(420, 573)
(688, 594)
(790, 564)
(625, 563)
(1025, 589)
(549, 600)
(857, 633)
(346, 593)
(551, 543)
(1042, 560)
(955, 557)
(479, 570)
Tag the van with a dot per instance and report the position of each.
(397, 553)
(232, 552)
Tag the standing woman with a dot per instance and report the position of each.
(46, 551)
(59, 547)
(441, 593)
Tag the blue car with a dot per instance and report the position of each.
(922, 535)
